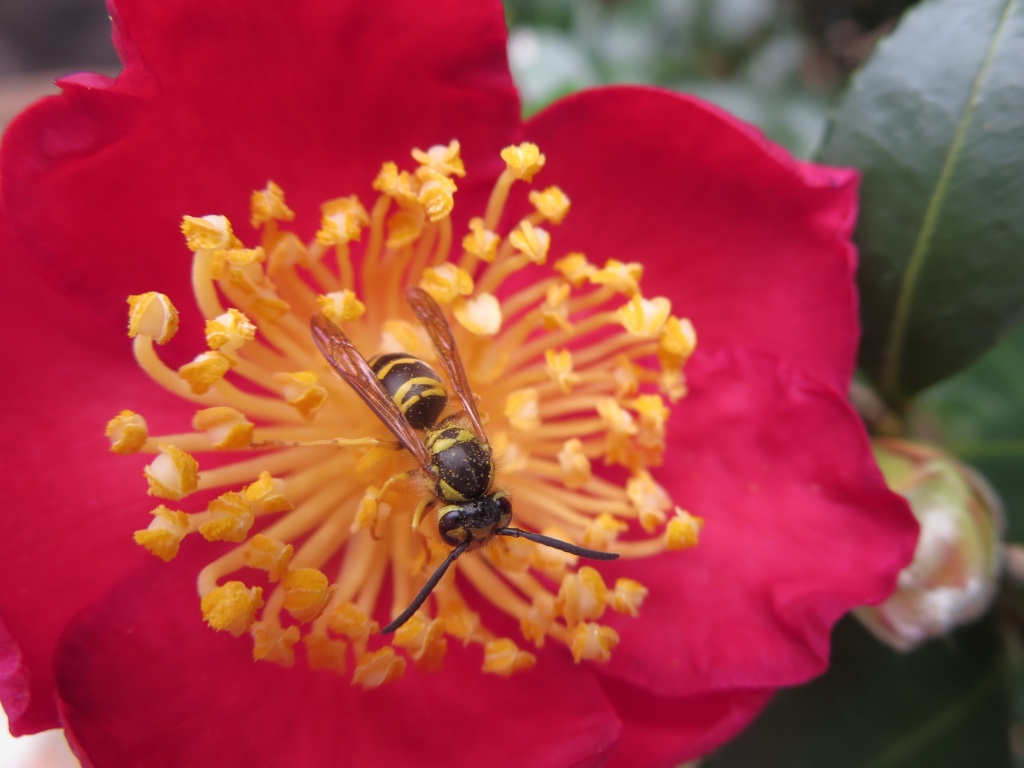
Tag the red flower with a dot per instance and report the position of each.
(215, 98)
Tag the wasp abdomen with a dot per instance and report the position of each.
(418, 392)
(461, 462)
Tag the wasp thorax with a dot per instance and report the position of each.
(569, 365)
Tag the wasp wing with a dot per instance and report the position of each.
(433, 320)
(343, 356)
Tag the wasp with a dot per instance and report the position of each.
(453, 454)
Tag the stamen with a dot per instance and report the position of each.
(152, 314)
(226, 428)
(173, 474)
(568, 368)
(127, 432)
(232, 607)
(503, 657)
(164, 534)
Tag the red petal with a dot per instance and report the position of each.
(666, 732)
(217, 97)
(143, 683)
(69, 504)
(750, 244)
(799, 528)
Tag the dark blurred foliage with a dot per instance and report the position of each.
(776, 63)
(54, 35)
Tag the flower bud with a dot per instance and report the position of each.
(956, 566)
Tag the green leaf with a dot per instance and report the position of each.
(979, 416)
(935, 121)
(944, 704)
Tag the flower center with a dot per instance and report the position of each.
(337, 522)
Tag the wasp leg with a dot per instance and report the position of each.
(422, 508)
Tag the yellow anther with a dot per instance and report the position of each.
(323, 652)
(268, 554)
(623, 277)
(446, 282)
(405, 227)
(370, 511)
(524, 160)
(230, 518)
(625, 374)
(575, 464)
(204, 371)
(306, 593)
(683, 530)
(274, 643)
(559, 369)
(436, 194)
(522, 408)
(271, 308)
(229, 331)
(164, 534)
(649, 499)
(351, 621)
(551, 203)
(672, 384)
(173, 474)
(458, 620)
(481, 242)
(533, 242)
(653, 415)
(232, 607)
(266, 495)
(424, 642)
(644, 317)
(575, 268)
(403, 336)
(510, 555)
(341, 306)
(303, 391)
(554, 312)
(127, 432)
(480, 316)
(241, 267)
(398, 185)
(342, 221)
(503, 657)
(628, 597)
(621, 427)
(603, 531)
(287, 253)
(539, 620)
(441, 158)
(152, 314)
(582, 595)
(209, 233)
(226, 428)
(592, 642)
(678, 340)
(378, 668)
(268, 205)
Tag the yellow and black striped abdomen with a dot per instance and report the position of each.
(418, 392)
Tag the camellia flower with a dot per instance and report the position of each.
(276, 488)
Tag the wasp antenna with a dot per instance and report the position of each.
(565, 546)
(417, 601)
